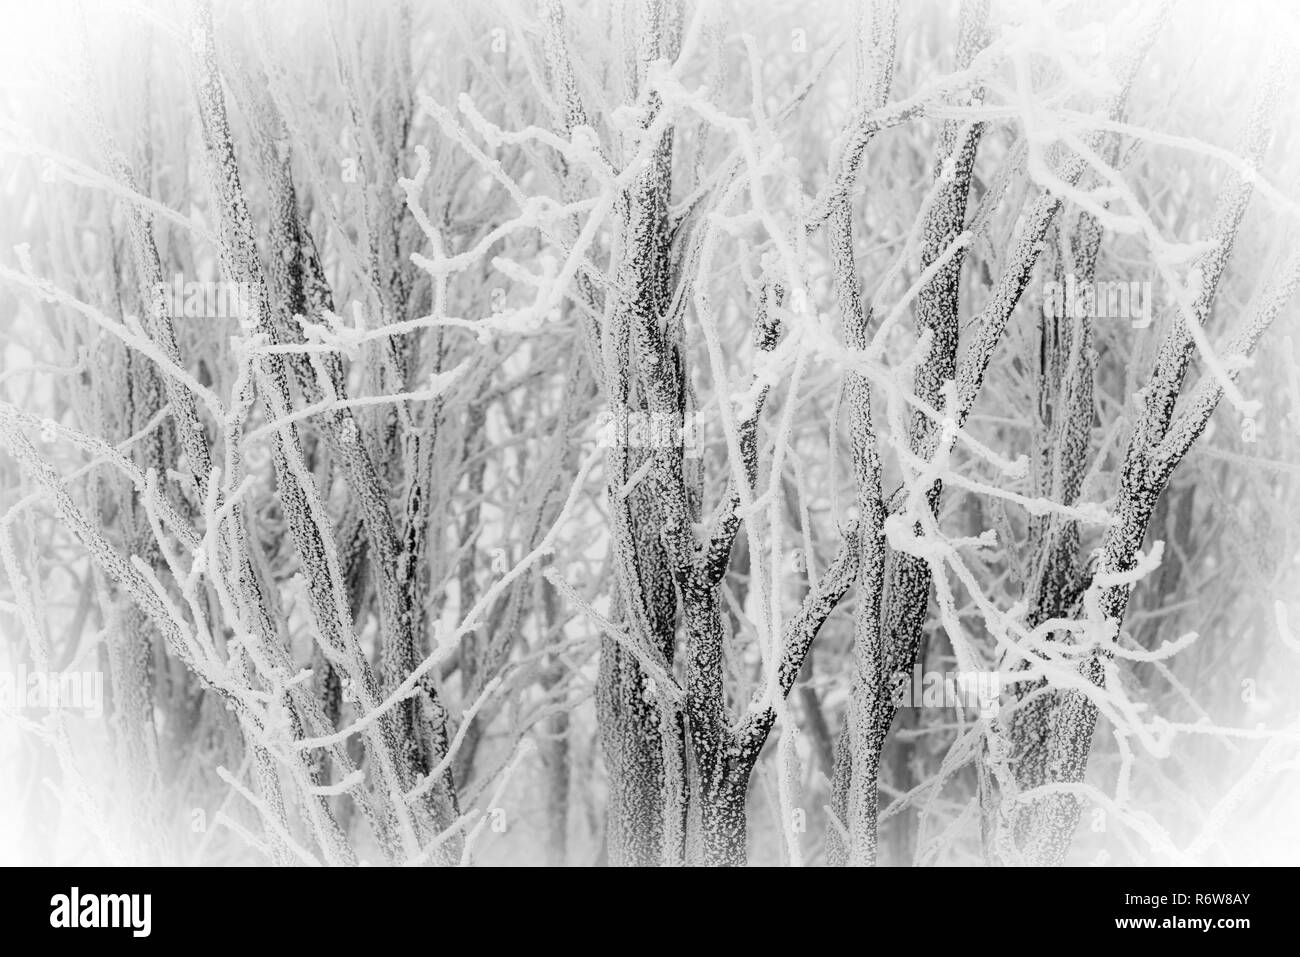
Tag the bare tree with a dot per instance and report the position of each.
(650, 432)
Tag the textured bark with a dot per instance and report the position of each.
(641, 733)
(1156, 446)
(891, 609)
(395, 746)
(1067, 363)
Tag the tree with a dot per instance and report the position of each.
(652, 433)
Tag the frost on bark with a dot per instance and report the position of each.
(581, 433)
(1157, 443)
(894, 588)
